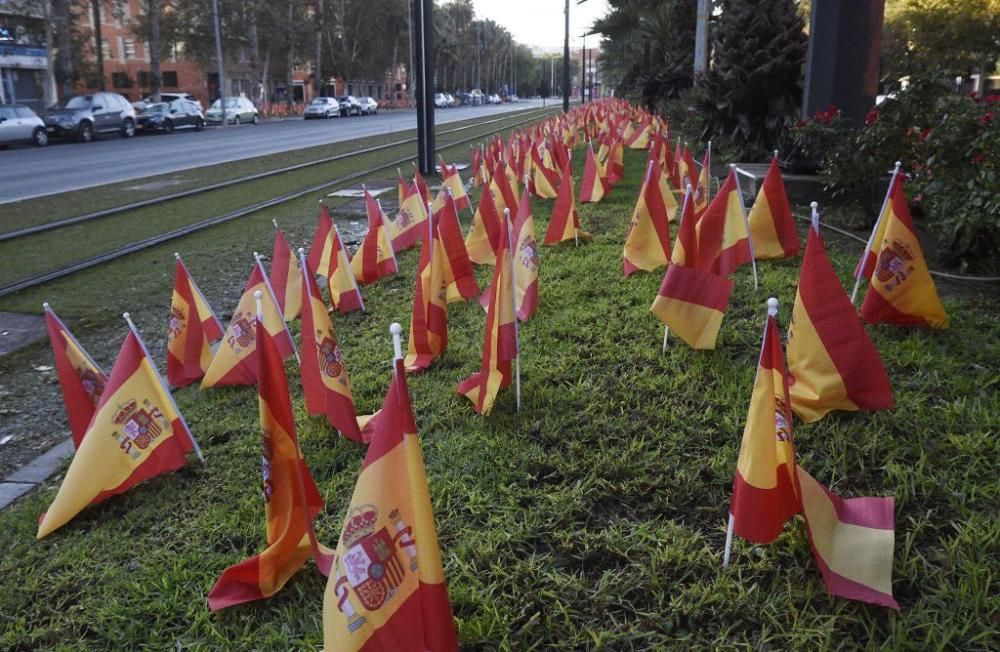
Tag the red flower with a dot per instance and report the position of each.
(872, 116)
(801, 123)
(987, 117)
(979, 159)
(925, 134)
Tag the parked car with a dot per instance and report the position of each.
(239, 110)
(368, 106)
(349, 105)
(167, 97)
(84, 116)
(167, 116)
(513, 98)
(440, 101)
(322, 107)
(464, 99)
(19, 124)
(477, 97)
(495, 99)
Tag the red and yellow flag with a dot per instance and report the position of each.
(901, 289)
(701, 190)
(525, 260)
(328, 258)
(411, 221)
(401, 187)
(484, 235)
(375, 257)
(136, 434)
(191, 329)
(723, 240)
(772, 226)
(503, 184)
(686, 169)
(832, 363)
(685, 250)
(647, 245)
(418, 181)
(387, 591)
(325, 382)
(544, 176)
(499, 338)
(564, 223)
(459, 276)
(286, 277)
(616, 163)
(593, 185)
(452, 180)
(692, 304)
(429, 319)
(291, 500)
(765, 491)
(235, 362)
(81, 380)
(639, 139)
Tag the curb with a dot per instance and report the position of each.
(34, 472)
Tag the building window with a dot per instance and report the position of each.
(120, 80)
(128, 49)
(170, 78)
(144, 79)
(105, 49)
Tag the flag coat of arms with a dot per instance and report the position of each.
(722, 231)
(525, 261)
(647, 245)
(499, 337)
(136, 434)
(832, 363)
(191, 329)
(328, 258)
(235, 361)
(901, 290)
(564, 223)
(325, 382)
(483, 239)
(387, 591)
(772, 226)
(375, 257)
(81, 380)
(411, 220)
(291, 500)
(286, 277)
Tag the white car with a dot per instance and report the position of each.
(369, 106)
(322, 107)
(440, 101)
(19, 124)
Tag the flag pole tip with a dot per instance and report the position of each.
(775, 153)
(732, 166)
(813, 205)
(274, 222)
(688, 187)
(259, 294)
(395, 328)
(302, 251)
(772, 307)
(177, 255)
(126, 316)
(899, 164)
(45, 304)
(256, 255)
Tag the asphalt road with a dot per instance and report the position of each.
(28, 172)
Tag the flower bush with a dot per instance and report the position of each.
(949, 145)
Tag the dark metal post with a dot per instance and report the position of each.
(423, 59)
(218, 59)
(99, 43)
(566, 64)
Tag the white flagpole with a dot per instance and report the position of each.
(274, 300)
(708, 176)
(397, 344)
(163, 386)
(815, 216)
(871, 238)
(772, 311)
(746, 223)
(666, 334)
(513, 302)
(305, 271)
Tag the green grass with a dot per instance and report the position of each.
(594, 519)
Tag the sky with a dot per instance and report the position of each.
(541, 22)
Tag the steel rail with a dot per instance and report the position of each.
(154, 201)
(153, 241)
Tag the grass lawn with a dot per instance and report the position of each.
(594, 519)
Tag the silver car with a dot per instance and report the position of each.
(322, 107)
(368, 106)
(19, 124)
(84, 116)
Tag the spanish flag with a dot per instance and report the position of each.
(499, 337)
(191, 329)
(687, 170)
(429, 319)
(901, 289)
(235, 362)
(505, 193)
(387, 591)
(137, 433)
(616, 163)
(722, 231)
(459, 277)
(452, 180)
(647, 245)
(286, 277)
(832, 363)
(328, 258)
(325, 382)
(375, 257)
(678, 171)
(772, 226)
(701, 190)
(544, 177)
(484, 235)
(418, 181)
(640, 137)
(81, 380)
(401, 186)
(765, 490)
(564, 223)
(411, 221)
(291, 500)
(592, 186)
(685, 250)
(525, 261)
(692, 304)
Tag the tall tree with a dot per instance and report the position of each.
(62, 18)
(153, 46)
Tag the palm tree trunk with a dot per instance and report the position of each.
(153, 16)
